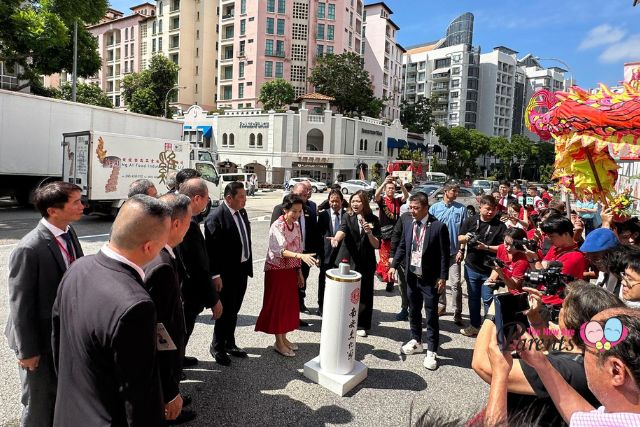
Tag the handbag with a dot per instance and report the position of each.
(386, 232)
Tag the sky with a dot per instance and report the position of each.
(594, 37)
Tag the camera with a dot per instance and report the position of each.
(474, 239)
(510, 319)
(492, 262)
(550, 278)
(520, 245)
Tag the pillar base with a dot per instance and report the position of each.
(339, 384)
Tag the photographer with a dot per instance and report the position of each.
(512, 262)
(481, 234)
(526, 392)
(511, 217)
(559, 230)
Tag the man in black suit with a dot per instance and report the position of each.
(328, 225)
(310, 234)
(198, 290)
(163, 278)
(228, 237)
(424, 252)
(104, 326)
(36, 267)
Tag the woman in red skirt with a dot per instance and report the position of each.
(280, 308)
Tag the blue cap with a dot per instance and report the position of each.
(598, 240)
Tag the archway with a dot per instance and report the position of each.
(227, 167)
(315, 140)
(258, 169)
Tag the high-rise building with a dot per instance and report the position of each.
(264, 40)
(186, 32)
(383, 56)
(119, 47)
(446, 70)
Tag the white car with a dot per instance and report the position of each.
(353, 185)
(318, 187)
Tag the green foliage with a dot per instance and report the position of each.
(275, 94)
(407, 154)
(520, 151)
(417, 116)
(145, 92)
(38, 35)
(464, 146)
(344, 78)
(85, 94)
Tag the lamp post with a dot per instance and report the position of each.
(166, 97)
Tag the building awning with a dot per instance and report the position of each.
(441, 70)
(207, 131)
(423, 147)
(392, 143)
(413, 146)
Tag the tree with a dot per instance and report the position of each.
(417, 116)
(145, 92)
(85, 94)
(407, 154)
(464, 146)
(274, 95)
(344, 78)
(38, 36)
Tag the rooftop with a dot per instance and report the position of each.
(425, 47)
(315, 96)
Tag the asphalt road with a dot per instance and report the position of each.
(265, 388)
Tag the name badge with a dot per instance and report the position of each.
(416, 259)
(163, 339)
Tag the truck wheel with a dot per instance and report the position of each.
(345, 190)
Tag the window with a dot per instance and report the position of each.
(270, 25)
(319, 50)
(331, 12)
(281, 27)
(116, 103)
(243, 26)
(153, 26)
(281, 6)
(231, 140)
(455, 94)
(241, 69)
(126, 33)
(240, 90)
(350, 39)
(271, 5)
(173, 57)
(227, 92)
(160, 7)
(259, 140)
(330, 32)
(320, 32)
(279, 69)
(225, 141)
(126, 50)
(243, 6)
(329, 50)
(175, 5)
(321, 9)
(280, 48)
(227, 73)
(159, 25)
(268, 68)
(268, 47)
(252, 141)
(160, 43)
(153, 45)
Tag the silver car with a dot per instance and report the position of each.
(470, 197)
(318, 187)
(353, 185)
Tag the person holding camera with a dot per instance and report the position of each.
(481, 234)
(511, 217)
(511, 262)
(389, 212)
(523, 387)
(559, 230)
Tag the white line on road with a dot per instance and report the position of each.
(79, 237)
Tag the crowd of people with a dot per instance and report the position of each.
(101, 339)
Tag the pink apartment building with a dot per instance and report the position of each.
(383, 56)
(119, 47)
(264, 40)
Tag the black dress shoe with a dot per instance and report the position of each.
(189, 361)
(236, 351)
(185, 416)
(222, 358)
(303, 324)
(304, 309)
(186, 400)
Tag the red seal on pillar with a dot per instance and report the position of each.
(355, 296)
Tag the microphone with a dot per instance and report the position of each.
(360, 218)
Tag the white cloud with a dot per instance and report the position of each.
(602, 35)
(625, 50)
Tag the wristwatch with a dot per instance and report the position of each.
(491, 317)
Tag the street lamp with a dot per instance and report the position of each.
(537, 58)
(166, 97)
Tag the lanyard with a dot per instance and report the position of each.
(66, 253)
(478, 229)
(419, 238)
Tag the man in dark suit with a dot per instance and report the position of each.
(36, 267)
(228, 237)
(328, 225)
(198, 290)
(104, 326)
(310, 234)
(424, 252)
(163, 278)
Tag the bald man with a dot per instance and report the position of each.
(104, 326)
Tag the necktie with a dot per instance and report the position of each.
(245, 243)
(69, 244)
(336, 223)
(416, 236)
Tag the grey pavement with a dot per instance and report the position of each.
(269, 389)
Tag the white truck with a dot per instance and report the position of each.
(31, 128)
(105, 164)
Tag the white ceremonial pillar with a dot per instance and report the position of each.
(336, 368)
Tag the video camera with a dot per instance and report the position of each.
(551, 281)
(520, 245)
(474, 239)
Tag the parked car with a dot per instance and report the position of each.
(484, 184)
(425, 188)
(470, 197)
(318, 187)
(353, 185)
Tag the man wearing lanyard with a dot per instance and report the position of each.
(36, 267)
(424, 252)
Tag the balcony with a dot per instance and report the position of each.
(315, 118)
(228, 16)
(226, 59)
(241, 54)
(276, 53)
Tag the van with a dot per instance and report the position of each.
(436, 177)
(226, 178)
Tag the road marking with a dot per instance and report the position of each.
(258, 260)
(79, 238)
(262, 218)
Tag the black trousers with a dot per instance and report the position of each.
(366, 301)
(231, 297)
(39, 393)
(423, 293)
(322, 277)
(192, 310)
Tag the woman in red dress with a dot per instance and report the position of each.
(389, 212)
(282, 277)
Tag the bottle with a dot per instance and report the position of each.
(344, 267)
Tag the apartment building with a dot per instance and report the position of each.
(119, 47)
(383, 56)
(264, 40)
(448, 71)
(186, 32)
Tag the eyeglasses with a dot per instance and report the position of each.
(627, 283)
